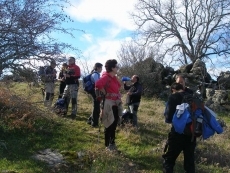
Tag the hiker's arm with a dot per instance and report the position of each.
(101, 83)
(126, 87)
(76, 73)
(138, 91)
(171, 108)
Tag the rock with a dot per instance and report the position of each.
(52, 158)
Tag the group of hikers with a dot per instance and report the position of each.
(106, 96)
(69, 83)
(107, 106)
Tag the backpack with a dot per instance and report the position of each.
(88, 85)
(188, 117)
(126, 118)
(60, 107)
(42, 74)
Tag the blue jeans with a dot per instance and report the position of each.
(133, 108)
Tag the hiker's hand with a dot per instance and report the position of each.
(100, 118)
(129, 93)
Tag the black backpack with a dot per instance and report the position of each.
(41, 73)
(88, 85)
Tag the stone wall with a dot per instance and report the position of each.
(216, 99)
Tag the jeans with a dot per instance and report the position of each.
(70, 93)
(61, 89)
(133, 108)
(96, 110)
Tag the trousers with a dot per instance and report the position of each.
(177, 143)
(111, 130)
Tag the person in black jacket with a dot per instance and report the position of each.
(61, 78)
(50, 77)
(178, 142)
(133, 97)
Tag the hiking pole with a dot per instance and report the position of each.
(166, 146)
(43, 93)
(99, 132)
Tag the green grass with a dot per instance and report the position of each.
(140, 151)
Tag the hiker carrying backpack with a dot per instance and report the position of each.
(88, 83)
(41, 73)
(189, 118)
(93, 119)
(193, 118)
(44, 72)
(176, 143)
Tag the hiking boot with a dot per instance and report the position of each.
(73, 116)
(94, 125)
(89, 121)
(111, 147)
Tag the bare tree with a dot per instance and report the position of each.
(185, 30)
(142, 61)
(26, 28)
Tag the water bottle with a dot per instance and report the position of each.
(198, 129)
(125, 79)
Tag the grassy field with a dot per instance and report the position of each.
(26, 127)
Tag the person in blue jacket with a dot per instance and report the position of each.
(93, 120)
(178, 142)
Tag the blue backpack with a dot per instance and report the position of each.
(88, 85)
(60, 106)
(196, 119)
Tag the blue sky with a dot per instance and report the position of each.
(106, 24)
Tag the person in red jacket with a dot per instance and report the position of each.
(72, 75)
(110, 86)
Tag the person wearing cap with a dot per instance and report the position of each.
(50, 77)
(72, 75)
(95, 75)
(61, 78)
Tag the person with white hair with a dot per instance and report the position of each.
(50, 76)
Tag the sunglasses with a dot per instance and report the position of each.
(116, 67)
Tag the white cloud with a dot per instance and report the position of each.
(103, 50)
(115, 11)
(86, 37)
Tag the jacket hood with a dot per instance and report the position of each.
(106, 74)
